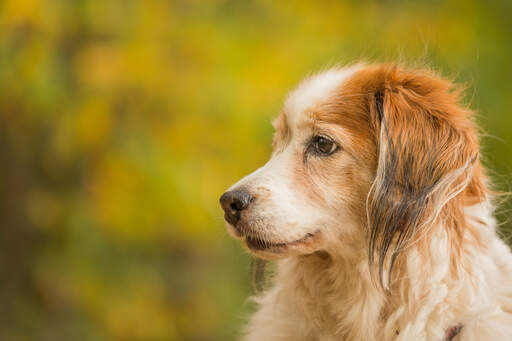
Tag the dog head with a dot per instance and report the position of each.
(364, 158)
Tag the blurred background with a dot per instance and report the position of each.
(122, 122)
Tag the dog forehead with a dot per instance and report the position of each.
(314, 91)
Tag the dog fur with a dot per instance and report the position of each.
(377, 211)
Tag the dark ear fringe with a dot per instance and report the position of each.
(379, 103)
(399, 204)
(258, 274)
(393, 213)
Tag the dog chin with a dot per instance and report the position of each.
(234, 232)
(273, 249)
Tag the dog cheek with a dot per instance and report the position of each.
(305, 179)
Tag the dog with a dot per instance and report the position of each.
(378, 213)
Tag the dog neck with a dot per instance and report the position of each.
(336, 293)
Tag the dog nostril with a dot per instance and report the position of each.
(239, 204)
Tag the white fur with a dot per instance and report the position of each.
(314, 90)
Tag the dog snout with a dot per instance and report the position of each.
(233, 203)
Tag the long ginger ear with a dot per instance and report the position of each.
(427, 152)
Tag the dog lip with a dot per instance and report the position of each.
(258, 244)
(228, 218)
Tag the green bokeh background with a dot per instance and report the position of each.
(122, 122)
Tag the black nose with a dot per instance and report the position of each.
(233, 202)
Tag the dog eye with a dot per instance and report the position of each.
(323, 145)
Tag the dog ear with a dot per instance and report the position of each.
(427, 150)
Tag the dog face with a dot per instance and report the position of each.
(309, 191)
(364, 157)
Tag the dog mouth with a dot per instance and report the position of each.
(260, 244)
